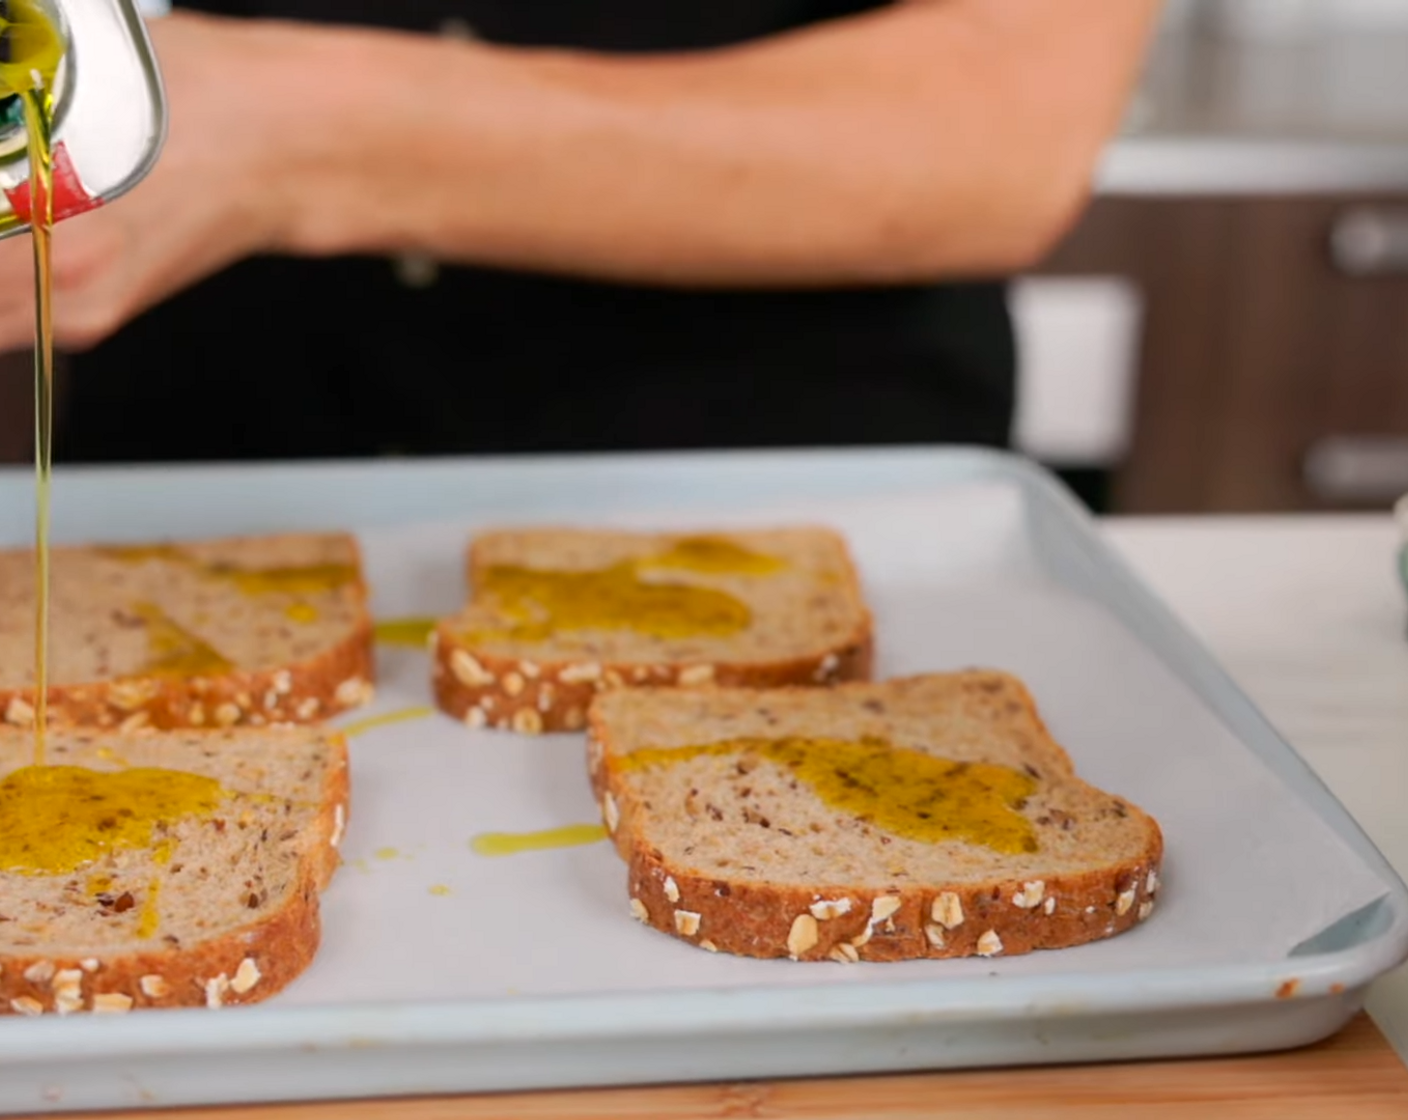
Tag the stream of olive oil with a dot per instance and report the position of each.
(28, 67)
(38, 119)
(55, 819)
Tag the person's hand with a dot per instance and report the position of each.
(209, 201)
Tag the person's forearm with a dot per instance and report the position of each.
(935, 139)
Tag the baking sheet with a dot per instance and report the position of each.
(1248, 874)
(446, 971)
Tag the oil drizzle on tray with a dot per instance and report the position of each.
(897, 789)
(512, 843)
(371, 723)
(413, 633)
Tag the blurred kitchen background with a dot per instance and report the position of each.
(1227, 328)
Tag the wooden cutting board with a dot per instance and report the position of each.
(1355, 1075)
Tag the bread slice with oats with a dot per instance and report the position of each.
(930, 816)
(558, 615)
(164, 868)
(241, 631)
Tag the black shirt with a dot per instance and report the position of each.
(286, 358)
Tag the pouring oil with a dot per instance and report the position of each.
(31, 48)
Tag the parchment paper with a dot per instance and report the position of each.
(416, 915)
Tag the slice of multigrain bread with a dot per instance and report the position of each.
(204, 901)
(930, 816)
(558, 615)
(249, 630)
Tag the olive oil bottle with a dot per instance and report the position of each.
(106, 112)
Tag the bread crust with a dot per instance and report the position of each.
(531, 697)
(211, 973)
(336, 680)
(755, 918)
(281, 945)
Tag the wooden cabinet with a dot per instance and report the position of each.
(17, 407)
(1257, 349)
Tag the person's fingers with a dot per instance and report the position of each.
(92, 264)
(191, 217)
(86, 255)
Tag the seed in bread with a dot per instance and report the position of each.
(931, 816)
(243, 631)
(557, 616)
(186, 874)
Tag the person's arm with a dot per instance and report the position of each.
(927, 139)
(932, 138)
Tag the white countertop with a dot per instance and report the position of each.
(1308, 615)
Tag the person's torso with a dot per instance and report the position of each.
(601, 25)
(286, 357)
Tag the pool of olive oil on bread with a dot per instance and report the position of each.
(556, 616)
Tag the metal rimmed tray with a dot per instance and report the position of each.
(445, 971)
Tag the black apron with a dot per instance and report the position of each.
(290, 358)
